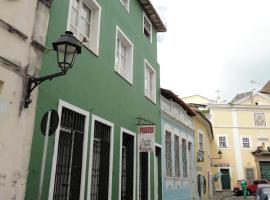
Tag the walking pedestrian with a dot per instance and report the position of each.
(244, 188)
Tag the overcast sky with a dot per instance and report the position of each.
(214, 45)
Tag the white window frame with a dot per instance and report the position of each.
(126, 131)
(85, 146)
(242, 142)
(227, 142)
(97, 118)
(199, 144)
(151, 27)
(125, 6)
(91, 42)
(151, 96)
(128, 76)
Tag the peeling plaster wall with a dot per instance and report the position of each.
(23, 29)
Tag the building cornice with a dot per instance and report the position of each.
(12, 29)
(153, 15)
(242, 127)
(242, 107)
(171, 118)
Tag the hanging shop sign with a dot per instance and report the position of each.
(146, 139)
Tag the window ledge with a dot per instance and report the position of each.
(153, 101)
(123, 77)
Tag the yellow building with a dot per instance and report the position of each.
(242, 132)
(203, 135)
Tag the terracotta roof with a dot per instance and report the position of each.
(266, 88)
(153, 15)
(170, 95)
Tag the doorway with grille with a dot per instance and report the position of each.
(100, 171)
(69, 161)
(127, 165)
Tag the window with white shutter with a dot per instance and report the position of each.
(84, 22)
(123, 56)
(149, 82)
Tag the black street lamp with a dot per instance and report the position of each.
(219, 155)
(67, 47)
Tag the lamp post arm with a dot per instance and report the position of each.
(34, 82)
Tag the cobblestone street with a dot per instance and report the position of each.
(228, 195)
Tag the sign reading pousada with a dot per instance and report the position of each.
(146, 140)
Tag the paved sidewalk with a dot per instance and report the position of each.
(222, 194)
(228, 195)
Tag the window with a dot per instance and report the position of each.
(84, 22)
(124, 56)
(222, 140)
(184, 157)
(125, 4)
(149, 81)
(249, 173)
(246, 142)
(147, 27)
(1, 86)
(168, 154)
(259, 119)
(176, 154)
(200, 141)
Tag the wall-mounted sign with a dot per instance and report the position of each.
(146, 139)
(221, 165)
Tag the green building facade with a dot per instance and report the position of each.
(112, 88)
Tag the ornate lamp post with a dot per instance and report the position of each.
(67, 47)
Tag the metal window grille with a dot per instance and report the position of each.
(222, 141)
(127, 167)
(246, 142)
(143, 185)
(100, 162)
(69, 157)
(176, 154)
(168, 154)
(184, 157)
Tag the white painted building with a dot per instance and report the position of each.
(23, 29)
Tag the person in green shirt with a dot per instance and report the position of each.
(244, 188)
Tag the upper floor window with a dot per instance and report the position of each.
(200, 141)
(147, 27)
(168, 153)
(184, 158)
(123, 56)
(259, 119)
(246, 142)
(176, 154)
(149, 81)
(84, 22)
(222, 142)
(125, 4)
